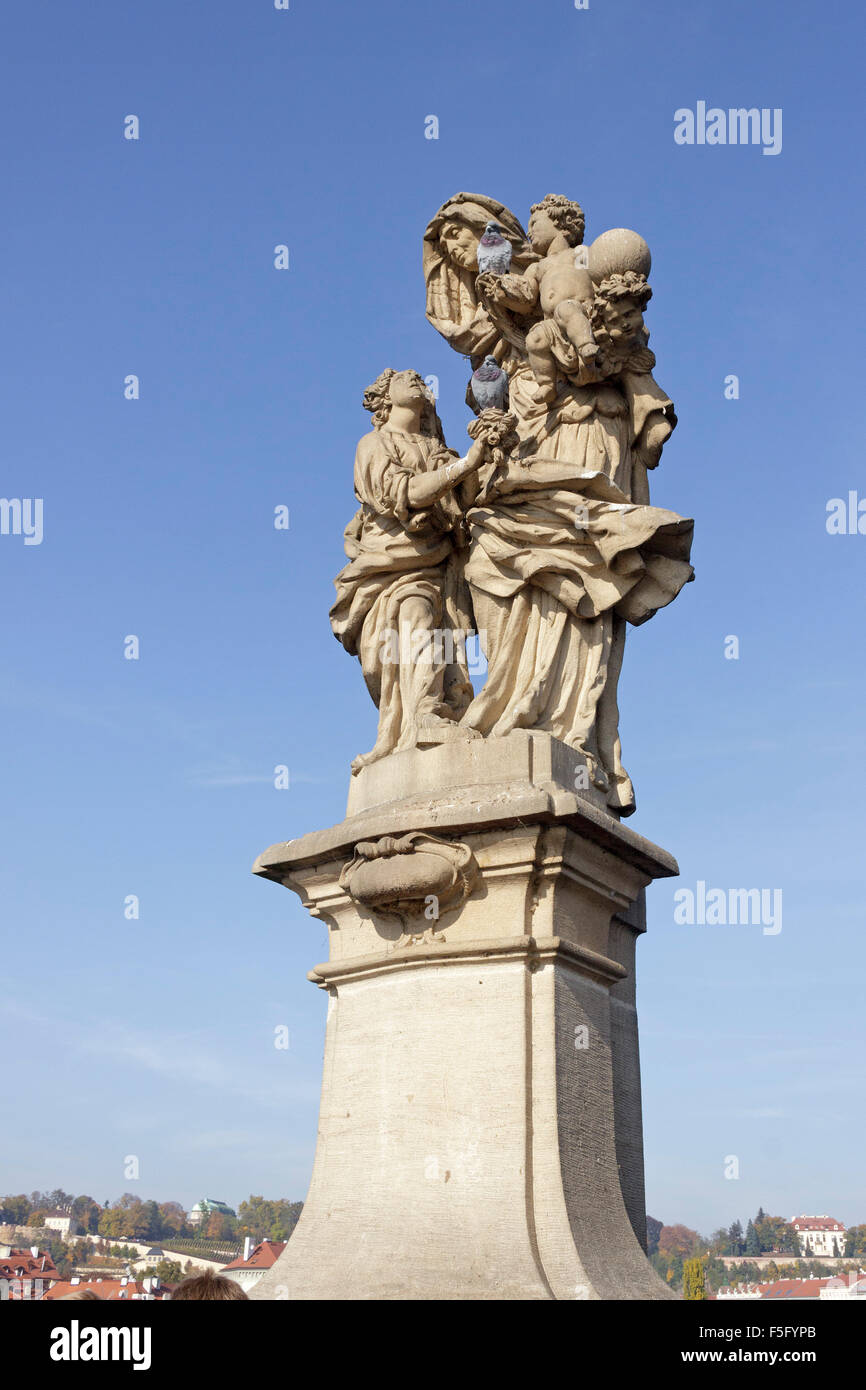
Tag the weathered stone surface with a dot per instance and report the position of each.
(479, 1133)
(480, 1125)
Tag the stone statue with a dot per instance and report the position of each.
(547, 548)
(480, 1132)
(564, 547)
(402, 596)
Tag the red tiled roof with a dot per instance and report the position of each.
(111, 1290)
(817, 1223)
(793, 1288)
(262, 1257)
(33, 1266)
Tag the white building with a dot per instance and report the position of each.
(62, 1222)
(249, 1267)
(819, 1235)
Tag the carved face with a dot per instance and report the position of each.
(461, 245)
(542, 230)
(623, 319)
(407, 388)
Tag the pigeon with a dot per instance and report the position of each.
(494, 251)
(489, 385)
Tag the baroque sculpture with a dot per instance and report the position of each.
(542, 538)
(480, 1131)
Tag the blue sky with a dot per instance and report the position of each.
(155, 777)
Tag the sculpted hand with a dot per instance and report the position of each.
(489, 287)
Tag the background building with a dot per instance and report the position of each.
(205, 1208)
(819, 1235)
(249, 1268)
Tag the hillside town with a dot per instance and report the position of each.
(55, 1245)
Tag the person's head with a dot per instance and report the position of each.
(460, 242)
(79, 1295)
(556, 214)
(201, 1287)
(405, 389)
(618, 307)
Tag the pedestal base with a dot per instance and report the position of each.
(480, 1126)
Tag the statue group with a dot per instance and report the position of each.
(541, 539)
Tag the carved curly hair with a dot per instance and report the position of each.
(377, 399)
(564, 214)
(630, 285)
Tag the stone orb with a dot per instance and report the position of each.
(617, 251)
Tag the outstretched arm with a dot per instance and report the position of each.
(519, 293)
(427, 488)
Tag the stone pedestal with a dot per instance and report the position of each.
(480, 1124)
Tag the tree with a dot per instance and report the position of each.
(268, 1220)
(753, 1246)
(653, 1231)
(775, 1233)
(172, 1218)
(678, 1241)
(855, 1241)
(220, 1226)
(720, 1243)
(86, 1212)
(168, 1271)
(14, 1211)
(694, 1283)
(735, 1237)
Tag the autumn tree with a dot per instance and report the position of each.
(678, 1240)
(694, 1283)
(220, 1226)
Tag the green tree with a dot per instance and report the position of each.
(653, 1231)
(753, 1246)
(775, 1233)
(694, 1283)
(15, 1211)
(86, 1212)
(855, 1241)
(268, 1220)
(735, 1237)
(720, 1243)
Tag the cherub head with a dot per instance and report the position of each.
(616, 315)
(554, 214)
(404, 388)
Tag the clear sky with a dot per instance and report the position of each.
(154, 777)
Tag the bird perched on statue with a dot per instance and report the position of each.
(489, 385)
(494, 251)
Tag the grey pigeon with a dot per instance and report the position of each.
(494, 251)
(489, 385)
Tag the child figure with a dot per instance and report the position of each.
(560, 285)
